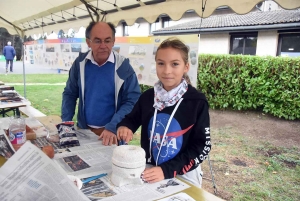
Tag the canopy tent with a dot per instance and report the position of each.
(40, 16)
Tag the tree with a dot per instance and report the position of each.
(18, 47)
(15, 40)
(4, 38)
(61, 34)
(71, 33)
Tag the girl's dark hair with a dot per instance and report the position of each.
(177, 44)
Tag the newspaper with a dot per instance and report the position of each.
(178, 197)
(94, 158)
(30, 175)
(86, 160)
(86, 136)
(102, 189)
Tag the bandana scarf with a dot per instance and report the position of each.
(163, 98)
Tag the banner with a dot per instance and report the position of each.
(61, 53)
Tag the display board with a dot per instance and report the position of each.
(61, 53)
(55, 53)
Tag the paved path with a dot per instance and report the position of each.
(13, 84)
(30, 69)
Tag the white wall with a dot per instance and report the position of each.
(142, 27)
(267, 43)
(187, 17)
(270, 5)
(119, 30)
(217, 43)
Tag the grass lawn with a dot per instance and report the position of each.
(45, 98)
(34, 78)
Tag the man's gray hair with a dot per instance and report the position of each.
(8, 43)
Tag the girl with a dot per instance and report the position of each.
(174, 118)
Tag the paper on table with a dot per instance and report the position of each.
(31, 175)
(86, 160)
(103, 189)
(86, 136)
(178, 197)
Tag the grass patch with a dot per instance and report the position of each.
(45, 98)
(34, 78)
(248, 169)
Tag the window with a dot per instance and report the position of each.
(243, 43)
(154, 26)
(165, 22)
(125, 29)
(289, 45)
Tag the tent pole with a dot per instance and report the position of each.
(24, 79)
(23, 57)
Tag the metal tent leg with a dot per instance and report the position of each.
(212, 175)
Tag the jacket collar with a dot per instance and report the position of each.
(90, 57)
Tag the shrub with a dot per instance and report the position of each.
(269, 84)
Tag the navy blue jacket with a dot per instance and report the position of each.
(9, 52)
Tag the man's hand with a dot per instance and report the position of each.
(152, 175)
(124, 133)
(108, 138)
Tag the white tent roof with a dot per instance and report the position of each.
(28, 16)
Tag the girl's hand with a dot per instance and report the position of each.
(152, 175)
(124, 133)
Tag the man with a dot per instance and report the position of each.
(9, 54)
(104, 82)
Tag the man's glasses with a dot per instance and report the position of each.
(99, 42)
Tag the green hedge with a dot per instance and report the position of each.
(268, 84)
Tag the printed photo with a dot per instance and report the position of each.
(76, 163)
(65, 47)
(6, 148)
(76, 47)
(97, 189)
(50, 48)
(137, 50)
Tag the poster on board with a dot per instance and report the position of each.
(61, 53)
